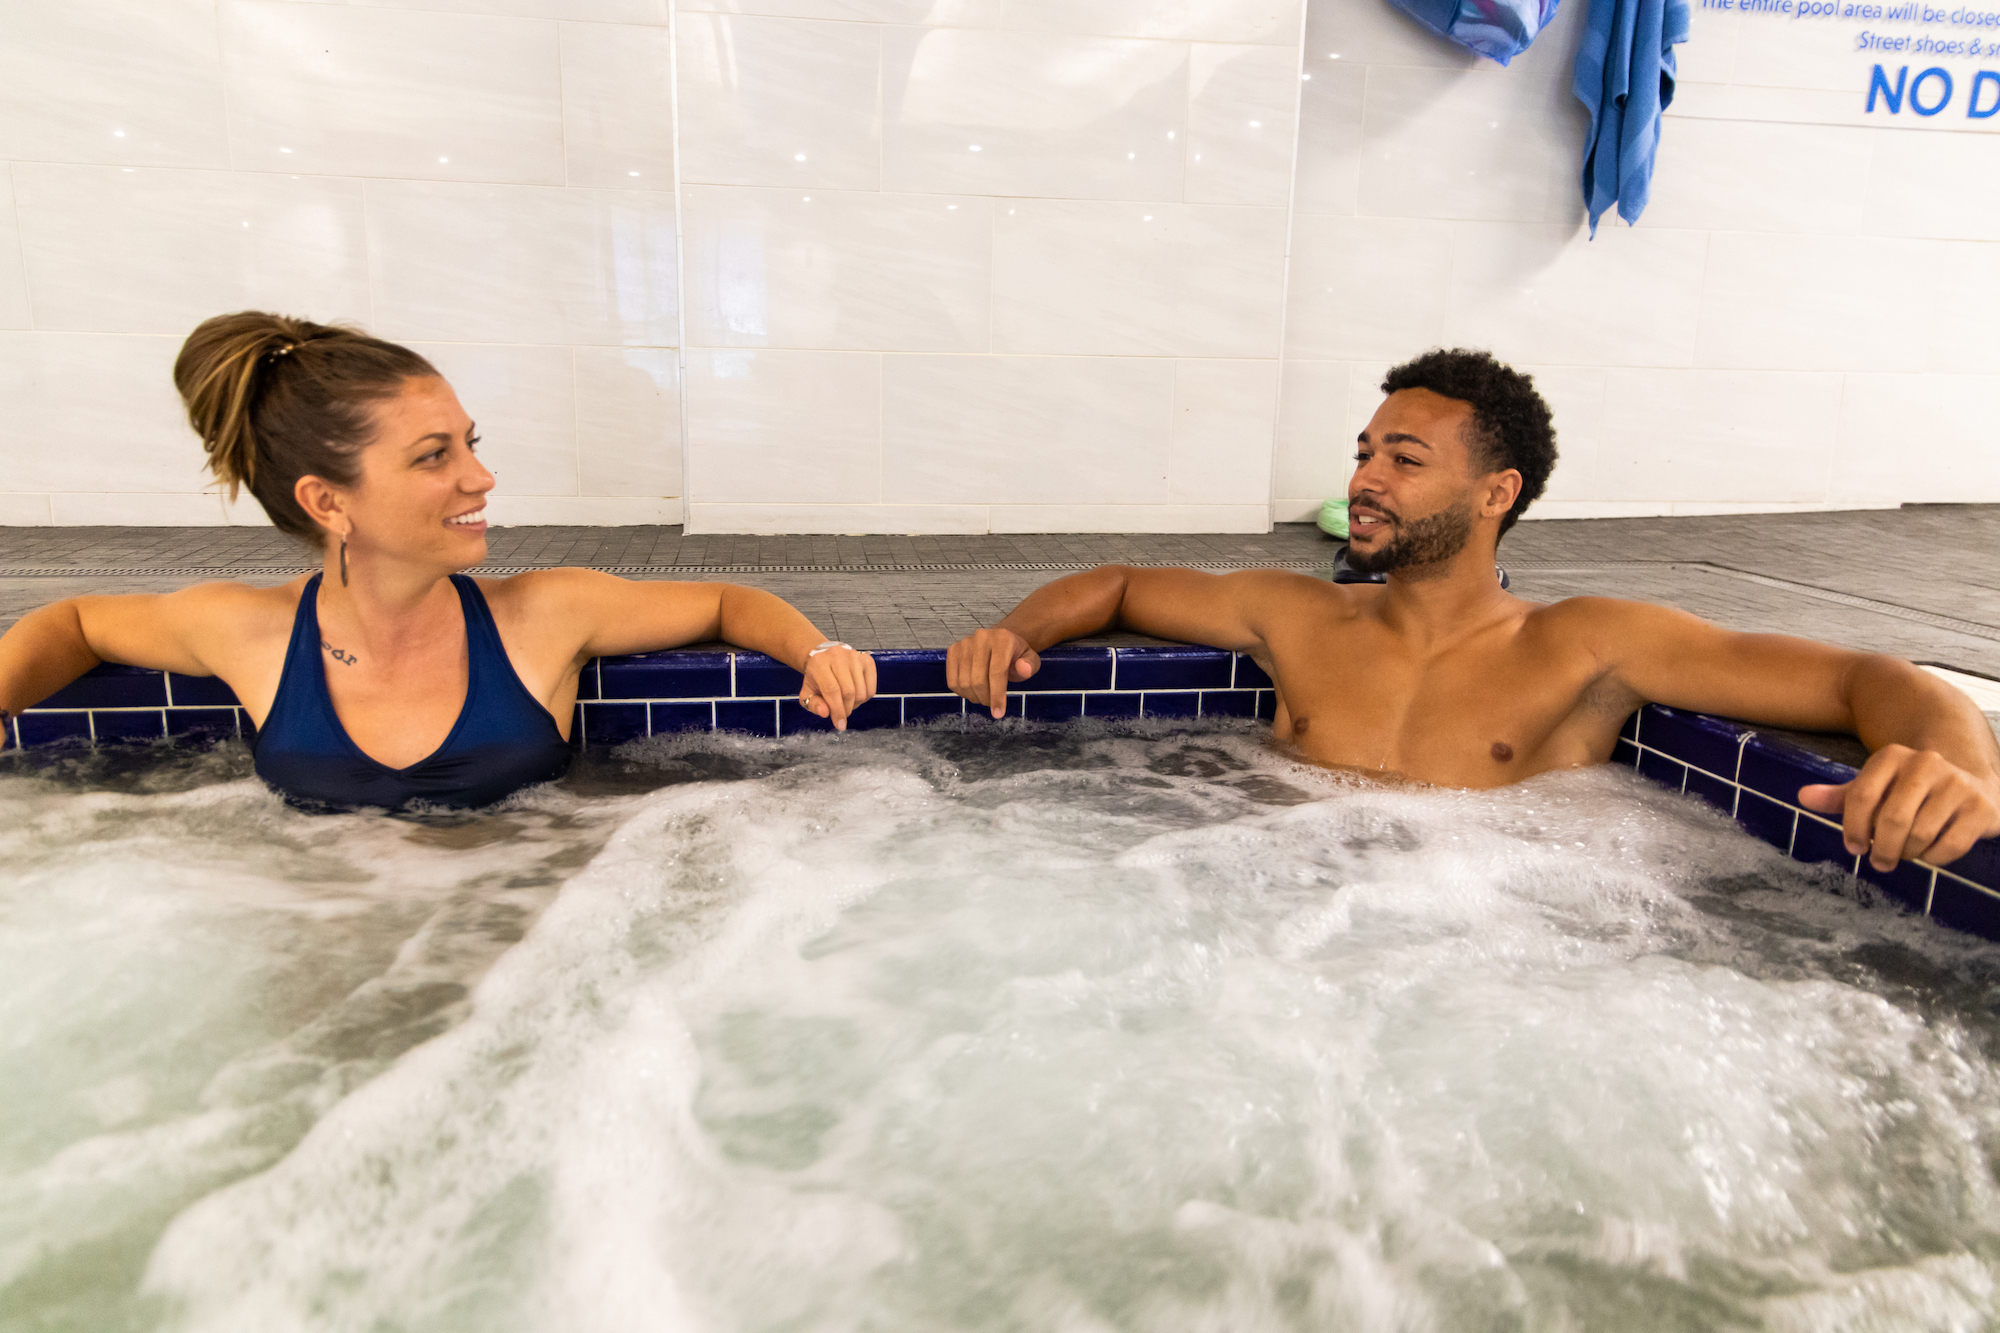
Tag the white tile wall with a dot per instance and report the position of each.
(1034, 114)
(774, 101)
(972, 265)
(1797, 269)
(93, 412)
(1137, 279)
(124, 82)
(1026, 430)
(355, 91)
(151, 250)
(932, 13)
(13, 274)
(1716, 435)
(1038, 278)
(523, 402)
(617, 106)
(628, 422)
(838, 269)
(515, 263)
(785, 427)
(532, 265)
(583, 11)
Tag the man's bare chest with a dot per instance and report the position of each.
(1481, 715)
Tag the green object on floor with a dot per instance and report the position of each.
(1333, 518)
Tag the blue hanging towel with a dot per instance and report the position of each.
(1496, 29)
(1625, 76)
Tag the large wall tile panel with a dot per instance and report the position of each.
(1274, 22)
(512, 263)
(1716, 435)
(1725, 175)
(617, 106)
(356, 91)
(838, 269)
(13, 273)
(770, 101)
(582, 11)
(1441, 144)
(785, 427)
(1034, 114)
(628, 421)
(1367, 287)
(1242, 114)
(1531, 292)
(1224, 416)
(1895, 433)
(94, 412)
(140, 250)
(1026, 430)
(1576, 396)
(935, 13)
(123, 82)
(1137, 279)
(1935, 185)
(1791, 302)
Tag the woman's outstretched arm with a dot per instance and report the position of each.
(585, 614)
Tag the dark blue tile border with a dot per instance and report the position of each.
(202, 723)
(194, 691)
(1070, 670)
(39, 727)
(1755, 777)
(1174, 668)
(1055, 707)
(758, 717)
(110, 686)
(665, 676)
(614, 723)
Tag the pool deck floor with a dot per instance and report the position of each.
(1921, 582)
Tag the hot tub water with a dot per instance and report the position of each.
(1077, 1029)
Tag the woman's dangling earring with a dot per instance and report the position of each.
(343, 560)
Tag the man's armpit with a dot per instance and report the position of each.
(1606, 698)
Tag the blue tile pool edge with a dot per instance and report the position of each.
(1750, 776)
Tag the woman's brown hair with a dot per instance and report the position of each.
(275, 399)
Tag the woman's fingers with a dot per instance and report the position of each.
(837, 682)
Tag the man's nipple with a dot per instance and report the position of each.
(1502, 752)
(1300, 725)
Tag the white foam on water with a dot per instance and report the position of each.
(1081, 1030)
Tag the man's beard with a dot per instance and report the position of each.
(1430, 540)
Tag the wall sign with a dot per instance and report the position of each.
(1914, 64)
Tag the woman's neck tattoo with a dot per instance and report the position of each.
(340, 655)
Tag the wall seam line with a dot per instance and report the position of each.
(1285, 276)
(680, 264)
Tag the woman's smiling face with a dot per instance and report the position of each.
(421, 493)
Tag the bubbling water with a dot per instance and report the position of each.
(1088, 1028)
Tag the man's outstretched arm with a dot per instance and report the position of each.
(1223, 611)
(1931, 786)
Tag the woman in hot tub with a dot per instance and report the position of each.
(388, 677)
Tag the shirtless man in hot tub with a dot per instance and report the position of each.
(1441, 676)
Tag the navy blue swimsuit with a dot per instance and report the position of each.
(503, 740)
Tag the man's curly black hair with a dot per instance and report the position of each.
(1511, 426)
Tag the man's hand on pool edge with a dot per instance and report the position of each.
(1909, 804)
(979, 666)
